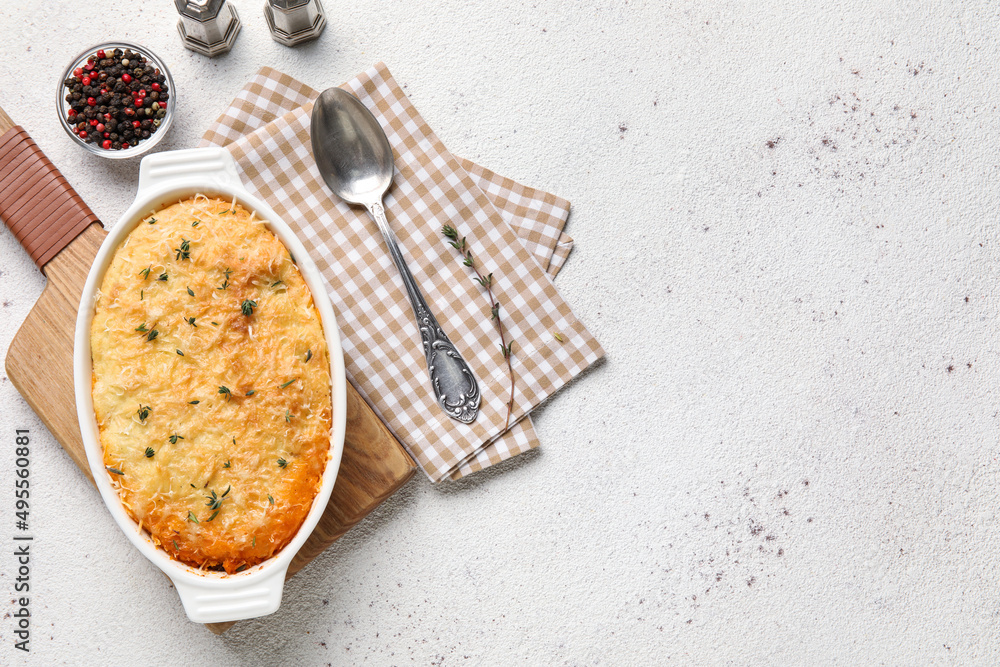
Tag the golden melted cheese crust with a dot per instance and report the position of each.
(211, 384)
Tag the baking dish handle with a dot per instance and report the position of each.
(260, 595)
(211, 166)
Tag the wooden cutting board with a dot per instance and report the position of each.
(40, 365)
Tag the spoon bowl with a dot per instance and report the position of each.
(354, 157)
(351, 149)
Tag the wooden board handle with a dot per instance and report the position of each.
(5, 122)
(37, 203)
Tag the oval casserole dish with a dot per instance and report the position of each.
(207, 596)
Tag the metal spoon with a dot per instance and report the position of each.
(355, 159)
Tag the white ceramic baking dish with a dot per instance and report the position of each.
(208, 597)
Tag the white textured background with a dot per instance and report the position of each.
(785, 218)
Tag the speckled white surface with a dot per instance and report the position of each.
(785, 219)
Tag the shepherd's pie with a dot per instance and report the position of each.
(211, 384)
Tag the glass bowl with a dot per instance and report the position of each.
(143, 145)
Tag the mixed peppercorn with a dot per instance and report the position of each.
(116, 99)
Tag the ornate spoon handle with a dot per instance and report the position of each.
(455, 387)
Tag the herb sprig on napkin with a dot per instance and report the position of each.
(506, 349)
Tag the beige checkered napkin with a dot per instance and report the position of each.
(267, 131)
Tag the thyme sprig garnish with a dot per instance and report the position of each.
(174, 438)
(287, 383)
(190, 320)
(215, 502)
(184, 252)
(143, 412)
(190, 293)
(309, 355)
(162, 276)
(225, 283)
(506, 349)
(179, 352)
(225, 392)
(145, 272)
(270, 498)
(192, 517)
(152, 334)
(116, 471)
(149, 452)
(282, 463)
(251, 392)
(142, 328)
(248, 307)
(227, 464)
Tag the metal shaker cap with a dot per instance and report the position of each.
(288, 4)
(292, 22)
(199, 10)
(207, 26)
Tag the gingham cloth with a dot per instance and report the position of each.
(515, 232)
